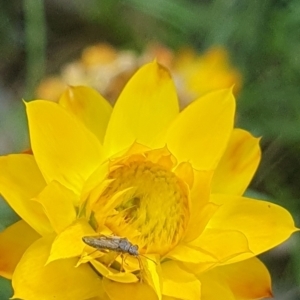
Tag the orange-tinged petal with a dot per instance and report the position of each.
(128, 291)
(264, 224)
(14, 240)
(201, 131)
(21, 180)
(145, 107)
(34, 280)
(89, 106)
(58, 203)
(64, 149)
(238, 164)
(179, 283)
(69, 242)
(248, 279)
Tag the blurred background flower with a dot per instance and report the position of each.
(40, 39)
(104, 68)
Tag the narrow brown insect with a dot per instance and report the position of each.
(115, 243)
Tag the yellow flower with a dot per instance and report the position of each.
(170, 182)
(208, 72)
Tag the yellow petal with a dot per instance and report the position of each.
(201, 209)
(112, 274)
(94, 182)
(186, 173)
(152, 275)
(101, 296)
(186, 253)
(213, 288)
(102, 210)
(34, 280)
(264, 224)
(238, 164)
(195, 229)
(146, 107)
(69, 242)
(21, 180)
(64, 149)
(211, 249)
(58, 203)
(201, 131)
(88, 106)
(14, 240)
(196, 268)
(215, 242)
(255, 283)
(179, 283)
(128, 291)
(162, 157)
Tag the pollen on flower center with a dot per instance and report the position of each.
(156, 210)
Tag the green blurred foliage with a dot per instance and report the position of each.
(262, 37)
(5, 289)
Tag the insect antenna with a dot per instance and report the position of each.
(89, 254)
(148, 258)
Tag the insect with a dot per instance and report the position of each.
(114, 243)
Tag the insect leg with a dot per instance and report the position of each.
(148, 258)
(89, 254)
(113, 260)
(141, 268)
(122, 264)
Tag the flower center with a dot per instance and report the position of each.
(154, 212)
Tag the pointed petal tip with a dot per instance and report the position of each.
(145, 108)
(295, 229)
(158, 68)
(49, 260)
(269, 294)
